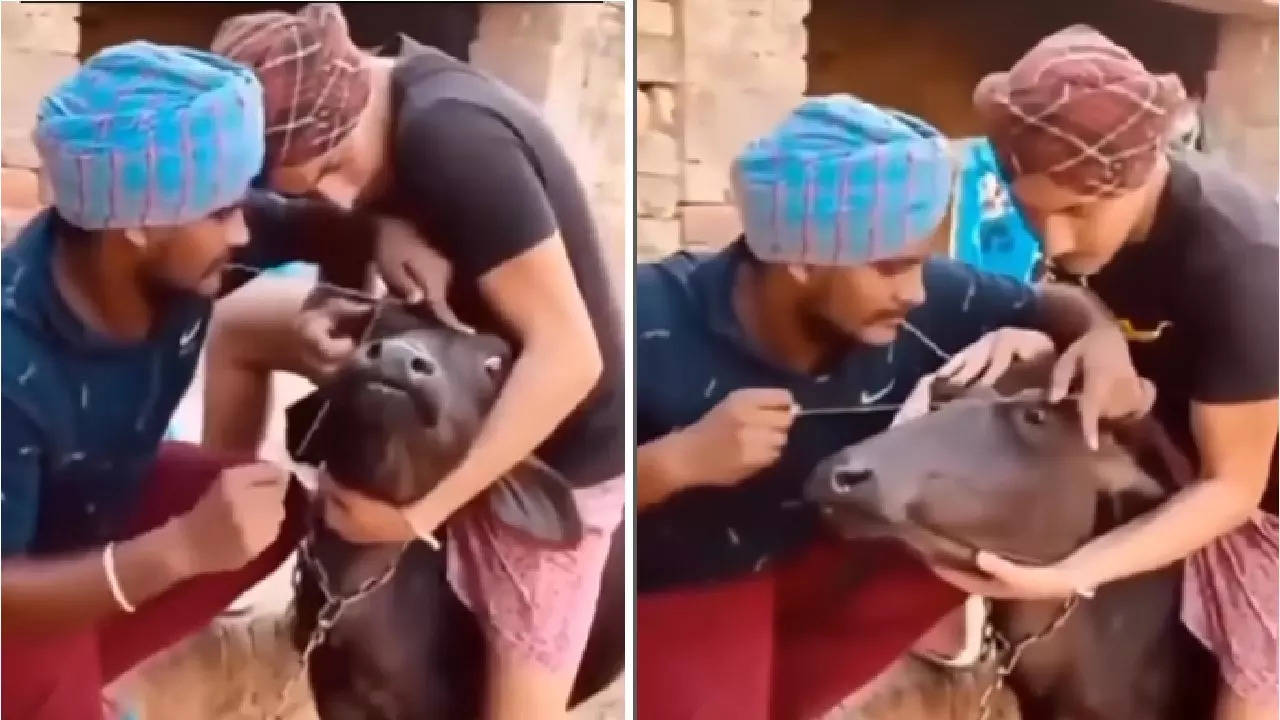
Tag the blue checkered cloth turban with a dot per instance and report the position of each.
(842, 182)
(146, 135)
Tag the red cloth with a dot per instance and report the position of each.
(60, 677)
(785, 644)
(1081, 110)
(314, 81)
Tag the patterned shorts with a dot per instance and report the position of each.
(1229, 602)
(534, 602)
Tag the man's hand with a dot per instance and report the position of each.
(737, 438)
(236, 519)
(1110, 387)
(1010, 581)
(413, 270)
(986, 360)
(324, 331)
(361, 519)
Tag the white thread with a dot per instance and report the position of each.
(925, 340)
(109, 564)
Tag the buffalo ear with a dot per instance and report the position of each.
(1117, 474)
(537, 501)
(1146, 441)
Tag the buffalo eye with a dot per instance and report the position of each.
(842, 481)
(492, 365)
(1034, 415)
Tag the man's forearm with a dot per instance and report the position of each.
(56, 595)
(309, 229)
(658, 475)
(1068, 312)
(547, 382)
(1181, 525)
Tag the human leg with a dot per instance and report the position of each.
(846, 611)
(535, 604)
(180, 476)
(1229, 602)
(705, 652)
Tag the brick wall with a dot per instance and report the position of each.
(1241, 110)
(712, 75)
(39, 48)
(567, 58)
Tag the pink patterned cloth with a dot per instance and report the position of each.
(534, 602)
(1229, 602)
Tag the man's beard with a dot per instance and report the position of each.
(835, 340)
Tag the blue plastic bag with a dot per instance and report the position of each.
(987, 230)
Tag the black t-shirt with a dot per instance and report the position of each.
(1199, 297)
(483, 177)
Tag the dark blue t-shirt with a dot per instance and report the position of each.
(82, 414)
(691, 352)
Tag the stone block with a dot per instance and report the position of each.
(656, 239)
(643, 111)
(656, 196)
(657, 154)
(28, 77)
(654, 17)
(709, 227)
(662, 99)
(41, 27)
(657, 59)
(743, 71)
(19, 150)
(19, 189)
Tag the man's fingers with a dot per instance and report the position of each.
(330, 350)
(399, 281)
(772, 418)
(973, 366)
(1064, 371)
(959, 369)
(766, 398)
(1001, 359)
(340, 308)
(1090, 406)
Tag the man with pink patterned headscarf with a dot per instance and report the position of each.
(1184, 254)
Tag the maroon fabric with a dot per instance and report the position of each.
(60, 677)
(785, 644)
(1229, 602)
(1080, 109)
(314, 80)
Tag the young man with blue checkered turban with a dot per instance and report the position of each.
(116, 545)
(830, 299)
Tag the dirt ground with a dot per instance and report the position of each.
(239, 667)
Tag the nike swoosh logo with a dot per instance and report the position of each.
(877, 396)
(1143, 336)
(185, 339)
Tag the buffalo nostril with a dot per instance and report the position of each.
(422, 366)
(374, 351)
(842, 481)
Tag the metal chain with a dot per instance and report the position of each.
(334, 606)
(1012, 652)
